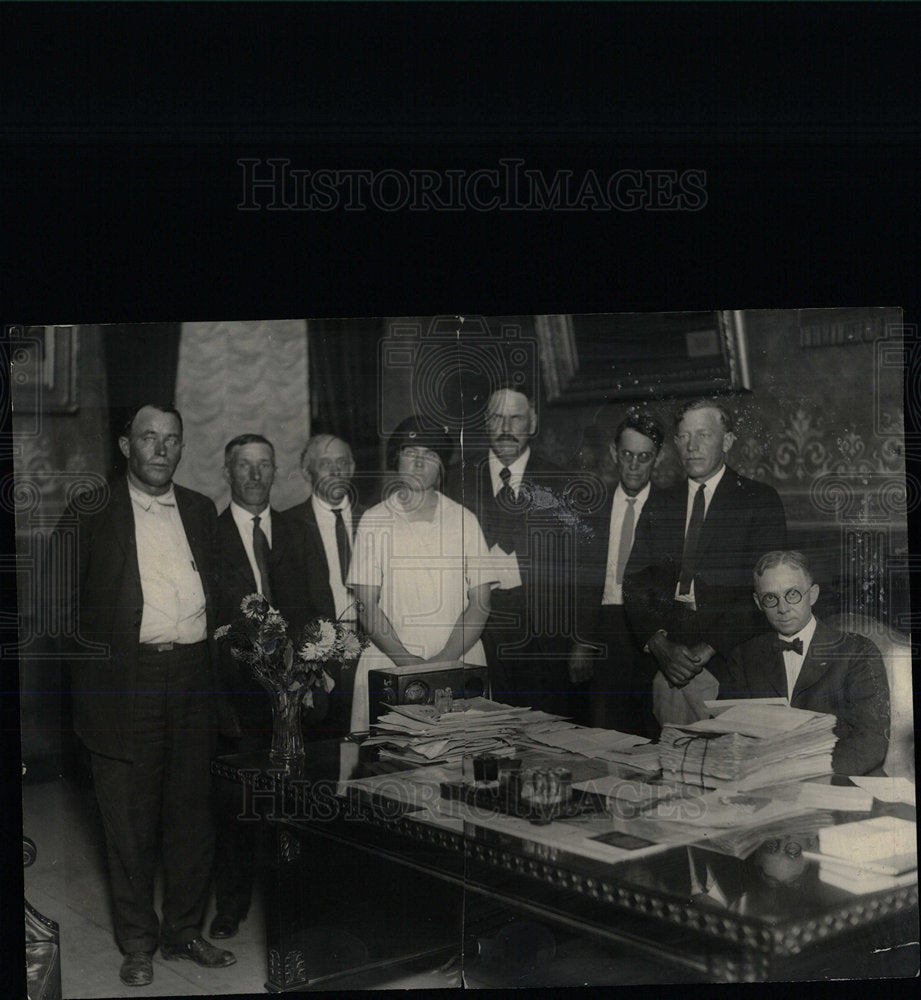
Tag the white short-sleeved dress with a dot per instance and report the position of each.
(424, 570)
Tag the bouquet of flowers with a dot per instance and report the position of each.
(259, 638)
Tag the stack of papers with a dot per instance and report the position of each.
(750, 745)
(418, 734)
(601, 744)
(870, 855)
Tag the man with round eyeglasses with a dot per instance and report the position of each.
(813, 666)
(606, 653)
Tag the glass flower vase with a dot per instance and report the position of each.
(287, 737)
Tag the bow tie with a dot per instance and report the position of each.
(796, 646)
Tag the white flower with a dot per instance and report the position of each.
(351, 646)
(254, 606)
(219, 633)
(309, 651)
(327, 636)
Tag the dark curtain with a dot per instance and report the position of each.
(141, 364)
(345, 390)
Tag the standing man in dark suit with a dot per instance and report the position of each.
(514, 494)
(254, 555)
(686, 589)
(323, 531)
(610, 659)
(813, 666)
(145, 708)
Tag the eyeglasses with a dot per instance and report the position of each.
(640, 457)
(792, 596)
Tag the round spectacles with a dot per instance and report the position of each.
(792, 596)
(640, 457)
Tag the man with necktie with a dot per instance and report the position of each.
(686, 589)
(254, 555)
(144, 704)
(515, 496)
(323, 529)
(812, 665)
(607, 654)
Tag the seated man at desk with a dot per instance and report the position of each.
(813, 666)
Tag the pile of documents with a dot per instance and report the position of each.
(418, 734)
(749, 745)
(869, 855)
(600, 744)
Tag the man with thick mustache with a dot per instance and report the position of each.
(514, 494)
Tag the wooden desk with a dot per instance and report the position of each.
(367, 870)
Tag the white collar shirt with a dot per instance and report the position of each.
(243, 519)
(709, 489)
(614, 591)
(793, 661)
(174, 597)
(326, 522)
(516, 470)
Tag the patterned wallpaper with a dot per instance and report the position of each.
(243, 378)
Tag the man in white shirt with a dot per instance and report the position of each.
(144, 704)
(607, 654)
(323, 531)
(812, 665)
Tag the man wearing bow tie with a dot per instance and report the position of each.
(813, 666)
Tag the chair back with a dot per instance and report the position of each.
(895, 649)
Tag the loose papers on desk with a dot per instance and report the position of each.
(418, 734)
(748, 746)
(602, 744)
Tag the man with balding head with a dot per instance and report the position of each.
(323, 530)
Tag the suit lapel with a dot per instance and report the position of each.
(721, 501)
(233, 552)
(121, 518)
(817, 659)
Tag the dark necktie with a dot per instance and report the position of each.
(505, 502)
(688, 558)
(342, 544)
(796, 645)
(261, 552)
(626, 540)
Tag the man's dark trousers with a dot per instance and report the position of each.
(163, 797)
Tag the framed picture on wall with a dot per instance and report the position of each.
(601, 357)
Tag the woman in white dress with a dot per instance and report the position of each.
(418, 567)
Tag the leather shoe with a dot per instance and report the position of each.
(137, 969)
(224, 926)
(199, 951)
